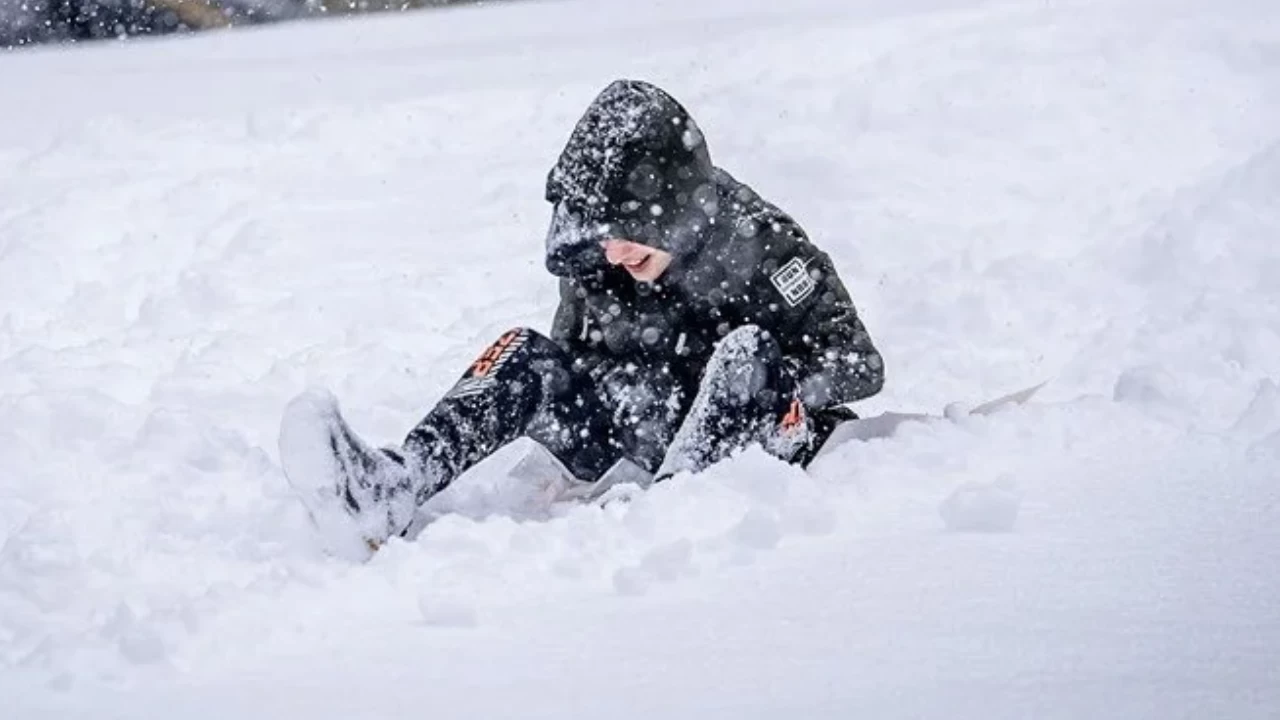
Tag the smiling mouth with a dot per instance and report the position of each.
(638, 266)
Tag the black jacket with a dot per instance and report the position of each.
(637, 167)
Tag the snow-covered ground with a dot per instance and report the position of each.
(1079, 191)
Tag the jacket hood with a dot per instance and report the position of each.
(636, 167)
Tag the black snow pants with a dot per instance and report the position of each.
(525, 385)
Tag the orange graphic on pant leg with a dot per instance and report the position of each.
(484, 364)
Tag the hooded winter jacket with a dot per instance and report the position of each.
(637, 167)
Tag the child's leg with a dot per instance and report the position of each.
(522, 385)
(747, 395)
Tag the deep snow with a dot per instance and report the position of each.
(192, 232)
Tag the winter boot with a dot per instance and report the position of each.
(357, 496)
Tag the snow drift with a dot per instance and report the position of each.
(1014, 191)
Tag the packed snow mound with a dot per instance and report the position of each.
(982, 507)
(1080, 191)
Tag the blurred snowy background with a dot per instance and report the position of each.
(27, 22)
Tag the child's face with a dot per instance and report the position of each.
(643, 262)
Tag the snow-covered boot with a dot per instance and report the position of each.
(357, 495)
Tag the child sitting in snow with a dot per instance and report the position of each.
(695, 319)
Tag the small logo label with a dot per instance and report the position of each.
(793, 281)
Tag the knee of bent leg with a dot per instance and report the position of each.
(524, 352)
(744, 344)
(742, 363)
(744, 332)
(511, 344)
(535, 344)
(517, 338)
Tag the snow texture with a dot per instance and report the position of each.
(982, 507)
(193, 232)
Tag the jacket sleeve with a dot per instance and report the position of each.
(817, 324)
(572, 330)
(567, 327)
